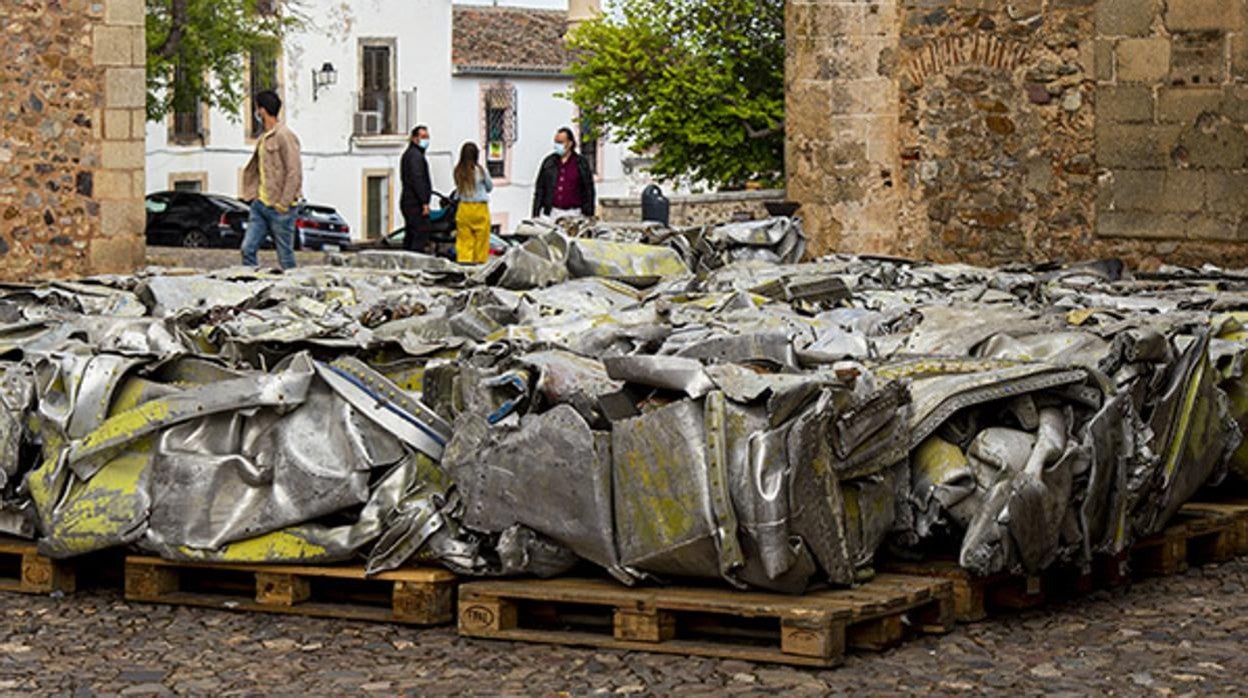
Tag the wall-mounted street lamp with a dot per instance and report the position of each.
(323, 78)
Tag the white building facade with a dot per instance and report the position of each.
(509, 73)
(393, 67)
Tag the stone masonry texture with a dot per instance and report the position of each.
(71, 162)
(1036, 130)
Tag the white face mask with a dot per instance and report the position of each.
(560, 149)
(424, 144)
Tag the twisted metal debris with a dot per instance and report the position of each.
(660, 403)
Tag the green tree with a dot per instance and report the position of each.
(196, 50)
(697, 84)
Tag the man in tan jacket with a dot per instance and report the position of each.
(273, 181)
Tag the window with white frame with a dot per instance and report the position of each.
(500, 128)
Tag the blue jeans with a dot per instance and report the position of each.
(264, 222)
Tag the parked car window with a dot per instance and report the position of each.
(321, 212)
(226, 203)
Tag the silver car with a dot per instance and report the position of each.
(318, 227)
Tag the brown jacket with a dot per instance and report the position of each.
(283, 170)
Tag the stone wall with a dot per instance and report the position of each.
(696, 209)
(997, 146)
(1034, 130)
(71, 147)
(1171, 140)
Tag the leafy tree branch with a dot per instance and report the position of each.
(696, 84)
(197, 50)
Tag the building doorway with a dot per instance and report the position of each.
(377, 204)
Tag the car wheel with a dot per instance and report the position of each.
(194, 238)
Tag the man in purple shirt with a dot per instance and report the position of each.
(565, 182)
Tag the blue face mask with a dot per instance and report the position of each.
(424, 144)
(560, 149)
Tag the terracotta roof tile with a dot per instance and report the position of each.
(509, 39)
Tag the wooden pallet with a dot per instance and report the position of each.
(1202, 533)
(975, 597)
(418, 596)
(811, 630)
(23, 569)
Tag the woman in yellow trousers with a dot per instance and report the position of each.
(472, 222)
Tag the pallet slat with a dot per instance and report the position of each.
(417, 596)
(34, 573)
(811, 630)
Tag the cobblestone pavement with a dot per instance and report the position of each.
(211, 258)
(1183, 635)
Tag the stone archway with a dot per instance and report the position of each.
(967, 133)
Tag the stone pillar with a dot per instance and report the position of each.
(72, 151)
(120, 50)
(842, 156)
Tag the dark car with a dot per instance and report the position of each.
(191, 219)
(319, 226)
(441, 229)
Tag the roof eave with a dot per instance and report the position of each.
(507, 71)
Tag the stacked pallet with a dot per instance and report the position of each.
(1203, 533)
(817, 629)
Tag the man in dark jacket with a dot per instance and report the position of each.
(565, 183)
(417, 192)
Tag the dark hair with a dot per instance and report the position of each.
(466, 170)
(416, 131)
(571, 137)
(270, 102)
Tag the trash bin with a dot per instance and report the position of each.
(654, 206)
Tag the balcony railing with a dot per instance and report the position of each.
(384, 113)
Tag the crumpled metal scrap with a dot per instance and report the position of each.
(674, 478)
(1081, 453)
(662, 403)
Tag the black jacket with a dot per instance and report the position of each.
(548, 179)
(417, 185)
